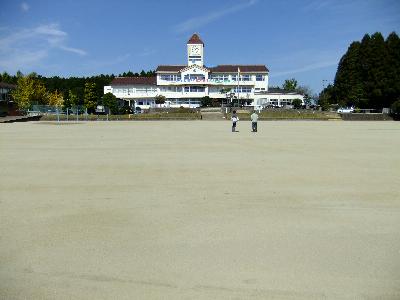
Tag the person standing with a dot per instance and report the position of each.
(254, 119)
(234, 119)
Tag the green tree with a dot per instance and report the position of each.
(327, 97)
(395, 109)
(297, 103)
(90, 97)
(206, 101)
(29, 91)
(368, 74)
(110, 101)
(73, 98)
(290, 85)
(5, 77)
(159, 99)
(393, 69)
(307, 92)
(56, 99)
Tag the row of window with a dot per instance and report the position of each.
(170, 77)
(170, 89)
(178, 89)
(194, 77)
(172, 101)
(194, 89)
(132, 90)
(242, 89)
(212, 77)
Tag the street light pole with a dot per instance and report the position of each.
(323, 83)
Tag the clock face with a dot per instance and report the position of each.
(195, 49)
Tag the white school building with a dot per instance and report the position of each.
(186, 85)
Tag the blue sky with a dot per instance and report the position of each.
(294, 39)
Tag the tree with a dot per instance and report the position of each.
(326, 97)
(290, 85)
(56, 99)
(307, 92)
(29, 91)
(395, 109)
(206, 101)
(5, 77)
(90, 97)
(160, 99)
(297, 103)
(73, 98)
(110, 101)
(368, 74)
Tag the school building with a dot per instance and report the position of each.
(185, 85)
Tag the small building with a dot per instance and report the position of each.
(275, 97)
(5, 91)
(7, 106)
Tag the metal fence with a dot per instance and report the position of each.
(68, 114)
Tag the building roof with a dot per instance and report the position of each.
(171, 68)
(5, 85)
(195, 39)
(234, 68)
(134, 81)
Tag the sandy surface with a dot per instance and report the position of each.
(189, 210)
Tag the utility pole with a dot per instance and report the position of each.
(238, 93)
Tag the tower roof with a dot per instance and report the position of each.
(195, 39)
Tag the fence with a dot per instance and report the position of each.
(75, 113)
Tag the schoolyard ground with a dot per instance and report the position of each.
(190, 210)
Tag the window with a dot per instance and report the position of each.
(219, 77)
(260, 77)
(242, 89)
(194, 89)
(170, 89)
(194, 77)
(245, 77)
(170, 77)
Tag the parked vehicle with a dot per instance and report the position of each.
(345, 110)
(100, 110)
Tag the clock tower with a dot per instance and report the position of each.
(195, 51)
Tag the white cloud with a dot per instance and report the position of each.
(315, 6)
(29, 46)
(50, 30)
(307, 68)
(24, 6)
(196, 22)
(19, 60)
(73, 50)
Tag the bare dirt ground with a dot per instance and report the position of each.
(189, 210)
